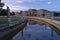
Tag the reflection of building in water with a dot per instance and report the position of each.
(40, 22)
(31, 22)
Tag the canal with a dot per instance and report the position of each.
(36, 31)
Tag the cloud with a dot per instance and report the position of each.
(19, 1)
(12, 1)
(4, 7)
(49, 2)
(13, 7)
(42, 0)
(8, 0)
(14, 4)
(17, 8)
(29, 0)
(25, 0)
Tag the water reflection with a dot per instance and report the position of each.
(52, 33)
(22, 33)
(31, 22)
(36, 31)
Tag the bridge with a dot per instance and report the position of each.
(55, 25)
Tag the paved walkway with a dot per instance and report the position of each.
(53, 22)
(57, 22)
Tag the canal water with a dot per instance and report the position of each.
(36, 31)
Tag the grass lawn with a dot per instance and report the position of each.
(13, 19)
(4, 19)
(58, 19)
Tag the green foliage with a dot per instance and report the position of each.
(13, 19)
(4, 13)
(58, 19)
(4, 20)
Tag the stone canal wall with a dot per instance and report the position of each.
(8, 33)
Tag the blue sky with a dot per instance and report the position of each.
(16, 5)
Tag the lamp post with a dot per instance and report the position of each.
(52, 16)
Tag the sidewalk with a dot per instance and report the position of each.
(57, 22)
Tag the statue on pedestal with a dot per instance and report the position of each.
(9, 18)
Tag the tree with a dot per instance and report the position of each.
(56, 13)
(3, 12)
(21, 12)
(13, 13)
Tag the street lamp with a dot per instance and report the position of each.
(52, 16)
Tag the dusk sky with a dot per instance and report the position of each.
(16, 5)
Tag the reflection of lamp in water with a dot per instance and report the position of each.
(22, 33)
(30, 22)
(52, 33)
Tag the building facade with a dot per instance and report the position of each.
(32, 12)
(37, 13)
(44, 13)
